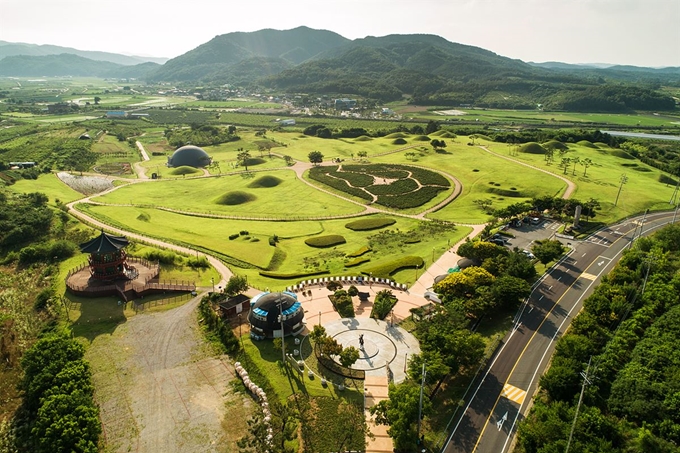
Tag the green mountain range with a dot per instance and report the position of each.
(428, 69)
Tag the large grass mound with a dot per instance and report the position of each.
(447, 134)
(532, 148)
(399, 141)
(325, 241)
(235, 198)
(665, 179)
(255, 161)
(363, 138)
(602, 145)
(184, 170)
(555, 145)
(370, 224)
(421, 138)
(621, 154)
(396, 135)
(587, 144)
(265, 182)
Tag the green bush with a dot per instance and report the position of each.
(45, 252)
(162, 256)
(371, 223)
(363, 250)
(383, 304)
(353, 291)
(217, 327)
(357, 261)
(399, 187)
(385, 270)
(325, 241)
(291, 275)
(411, 199)
(233, 236)
(342, 302)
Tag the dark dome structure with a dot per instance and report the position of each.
(189, 155)
(264, 315)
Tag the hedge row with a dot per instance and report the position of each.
(380, 170)
(387, 269)
(372, 223)
(363, 250)
(292, 275)
(399, 187)
(357, 261)
(428, 177)
(411, 199)
(321, 174)
(325, 241)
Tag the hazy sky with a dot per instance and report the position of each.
(637, 32)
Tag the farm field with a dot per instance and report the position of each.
(48, 184)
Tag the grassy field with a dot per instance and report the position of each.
(291, 253)
(601, 182)
(48, 184)
(291, 198)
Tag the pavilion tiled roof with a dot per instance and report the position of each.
(104, 243)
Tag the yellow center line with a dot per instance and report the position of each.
(479, 439)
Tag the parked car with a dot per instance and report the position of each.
(432, 296)
(497, 241)
(535, 220)
(528, 254)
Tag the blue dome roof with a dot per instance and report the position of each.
(189, 155)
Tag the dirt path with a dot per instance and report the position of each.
(160, 389)
(571, 186)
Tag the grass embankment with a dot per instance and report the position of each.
(601, 181)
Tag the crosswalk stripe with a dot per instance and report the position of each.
(513, 393)
(588, 276)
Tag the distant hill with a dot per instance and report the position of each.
(208, 60)
(8, 49)
(54, 65)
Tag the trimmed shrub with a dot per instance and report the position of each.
(399, 186)
(357, 261)
(235, 198)
(383, 304)
(291, 275)
(410, 200)
(233, 236)
(385, 270)
(373, 223)
(505, 192)
(243, 233)
(342, 302)
(325, 241)
(265, 182)
(353, 291)
(361, 251)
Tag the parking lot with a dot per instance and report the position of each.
(526, 234)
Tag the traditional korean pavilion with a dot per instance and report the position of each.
(108, 258)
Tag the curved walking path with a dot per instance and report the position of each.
(571, 186)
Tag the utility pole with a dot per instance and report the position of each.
(420, 403)
(675, 214)
(586, 381)
(622, 180)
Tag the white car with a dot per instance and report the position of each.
(432, 297)
(529, 254)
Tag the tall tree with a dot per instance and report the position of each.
(243, 158)
(587, 162)
(315, 157)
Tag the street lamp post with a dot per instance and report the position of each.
(319, 317)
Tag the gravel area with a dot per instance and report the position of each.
(160, 387)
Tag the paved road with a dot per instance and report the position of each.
(500, 397)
